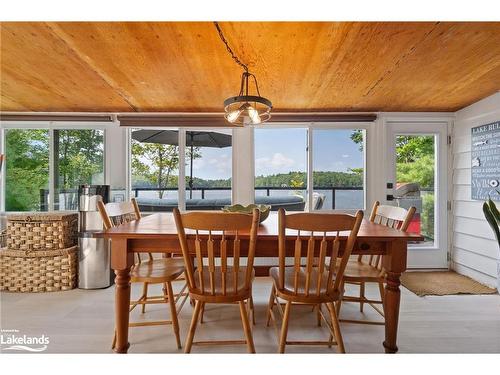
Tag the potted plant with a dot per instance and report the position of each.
(492, 216)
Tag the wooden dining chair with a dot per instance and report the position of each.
(368, 268)
(318, 280)
(150, 271)
(213, 239)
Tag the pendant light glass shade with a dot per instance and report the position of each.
(246, 109)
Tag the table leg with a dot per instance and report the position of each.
(121, 261)
(391, 311)
(122, 303)
(394, 263)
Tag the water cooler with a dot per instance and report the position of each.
(94, 253)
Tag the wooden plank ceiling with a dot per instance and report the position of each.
(184, 67)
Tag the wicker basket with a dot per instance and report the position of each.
(42, 231)
(3, 238)
(38, 271)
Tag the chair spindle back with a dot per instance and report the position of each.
(392, 217)
(316, 267)
(117, 213)
(217, 238)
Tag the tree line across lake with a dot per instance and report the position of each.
(290, 179)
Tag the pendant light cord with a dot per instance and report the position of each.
(233, 55)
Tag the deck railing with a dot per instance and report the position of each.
(69, 199)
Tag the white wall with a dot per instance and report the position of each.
(116, 156)
(474, 248)
(243, 166)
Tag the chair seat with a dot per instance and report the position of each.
(356, 271)
(289, 287)
(157, 270)
(219, 285)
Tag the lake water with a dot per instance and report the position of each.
(344, 199)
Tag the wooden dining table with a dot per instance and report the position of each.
(157, 233)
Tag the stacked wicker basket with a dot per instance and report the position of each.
(41, 253)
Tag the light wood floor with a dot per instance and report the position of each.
(81, 321)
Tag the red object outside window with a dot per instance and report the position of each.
(414, 226)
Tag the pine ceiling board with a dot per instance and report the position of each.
(40, 73)
(7, 102)
(183, 66)
(159, 66)
(348, 60)
(322, 65)
(455, 65)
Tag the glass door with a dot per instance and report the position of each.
(417, 176)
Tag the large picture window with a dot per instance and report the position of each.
(155, 168)
(27, 169)
(43, 167)
(208, 169)
(156, 165)
(77, 158)
(281, 168)
(338, 169)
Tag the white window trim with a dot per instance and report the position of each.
(375, 141)
(50, 126)
(367, 145)
(181, 179)
(367, 126)
(181, 184)
(440, 127)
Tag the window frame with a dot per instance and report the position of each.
(247, 166)
(310, 128)
(422, 255)
(181, 184)
(50, 126)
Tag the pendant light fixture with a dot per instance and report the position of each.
(245, 109)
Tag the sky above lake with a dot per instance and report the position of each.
(284, 150)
